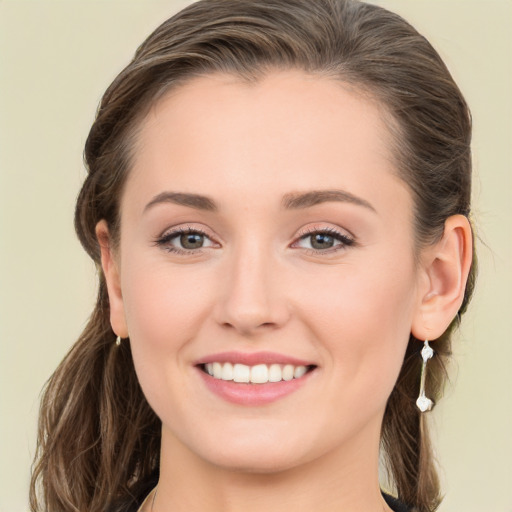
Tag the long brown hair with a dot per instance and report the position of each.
(98, 445)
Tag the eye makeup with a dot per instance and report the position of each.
(192, 240)
(185, 241)
(323, 241)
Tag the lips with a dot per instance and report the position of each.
(253, 358)
(253, 378)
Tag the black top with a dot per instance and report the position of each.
(396, 505)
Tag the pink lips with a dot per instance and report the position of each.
(252, 394)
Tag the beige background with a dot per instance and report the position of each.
(57, 57)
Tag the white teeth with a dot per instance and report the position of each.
(258, 374)
(288, 372)
(299, 372)
(274, 373)
(241, 373)
(217, 370)
(227, 371)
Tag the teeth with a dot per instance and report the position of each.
(241, 373)
(258, 374)
(275, 373)
(227, 371)
(288, 372)
(299, 371)
(217, 370)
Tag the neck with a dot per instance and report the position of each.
(344, 479)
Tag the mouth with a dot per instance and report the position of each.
(254, 379)
(255, 374)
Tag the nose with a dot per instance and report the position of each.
(252, 297)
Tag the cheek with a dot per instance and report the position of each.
(363, 320)
(164, 307)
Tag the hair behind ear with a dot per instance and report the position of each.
(97, 432)
(449, 271)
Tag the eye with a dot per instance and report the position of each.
(324, 240)
(191, 240)
(184, 240)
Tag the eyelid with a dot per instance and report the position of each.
(183, 228)
(325, 228)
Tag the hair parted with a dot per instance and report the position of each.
(99, 441)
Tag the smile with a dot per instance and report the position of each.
(256, 374)
(254, 379)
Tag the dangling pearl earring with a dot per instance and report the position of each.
(118, 341)
(424, 404)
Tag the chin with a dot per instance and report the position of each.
(245, 452)
(255, 463)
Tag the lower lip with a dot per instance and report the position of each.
(252, 394)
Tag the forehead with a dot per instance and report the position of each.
(288, 130)
(287, 101)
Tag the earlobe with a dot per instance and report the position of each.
(110, 267)
(445, 268)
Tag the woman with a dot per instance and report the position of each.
(277, 202)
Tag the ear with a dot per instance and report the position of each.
(110, 266)
(444, 267)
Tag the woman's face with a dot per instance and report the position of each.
(264, 234)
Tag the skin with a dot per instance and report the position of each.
(257, 285)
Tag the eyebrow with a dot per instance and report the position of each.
(196, 201)
(298, 201)
(291, 201)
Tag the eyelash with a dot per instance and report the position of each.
(345, 241)
(165, 240)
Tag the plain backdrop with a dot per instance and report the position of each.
(56, 59)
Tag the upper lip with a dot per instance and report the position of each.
(252, 358)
